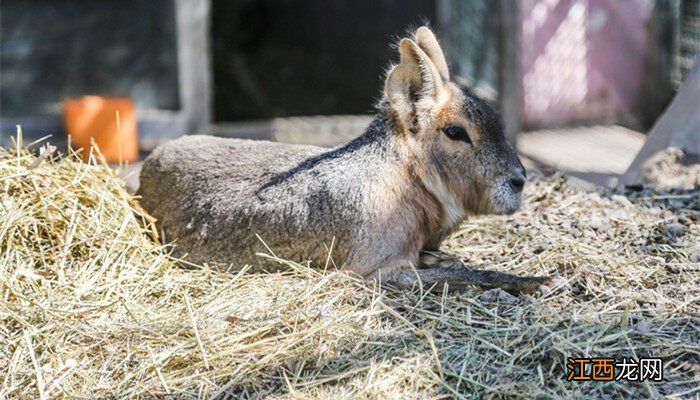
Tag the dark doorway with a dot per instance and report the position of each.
(277, 58)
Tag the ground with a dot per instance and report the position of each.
(92, 306)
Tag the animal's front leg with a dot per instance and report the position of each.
(436, 269)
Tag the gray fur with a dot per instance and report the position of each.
(216, 196)
(378, 201)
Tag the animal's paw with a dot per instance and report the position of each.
(497, 295)
(436, 258)
(533, 284)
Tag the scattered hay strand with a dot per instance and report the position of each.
(91, 306)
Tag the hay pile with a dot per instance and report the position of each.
(92, 307)
(672, 169)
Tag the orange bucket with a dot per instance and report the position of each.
(95, 117)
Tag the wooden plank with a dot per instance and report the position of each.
(597, 154)
(679, 126)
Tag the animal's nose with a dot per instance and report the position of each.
(517, 183)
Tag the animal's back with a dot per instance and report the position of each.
(198, 157)
(205, 193)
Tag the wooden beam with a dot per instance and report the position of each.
(194, 64)
(678, 126)
(510, 79)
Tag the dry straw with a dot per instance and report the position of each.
(92, 307)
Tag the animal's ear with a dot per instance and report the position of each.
(415, 78)
(426, 40)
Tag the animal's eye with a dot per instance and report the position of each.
(456, 132)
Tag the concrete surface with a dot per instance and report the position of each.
(597, 155)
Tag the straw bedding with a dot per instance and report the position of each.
(91, 306)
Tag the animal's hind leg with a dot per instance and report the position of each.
(437, 269)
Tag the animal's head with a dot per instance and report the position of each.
(456, 140)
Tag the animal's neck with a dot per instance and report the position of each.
(453, 212)
(439, 210)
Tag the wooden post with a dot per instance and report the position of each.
(658, 87)
(194, 62)
(510, 79)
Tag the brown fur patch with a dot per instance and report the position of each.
(397, 125)
(450, 112)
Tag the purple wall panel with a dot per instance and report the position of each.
(583, 60)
